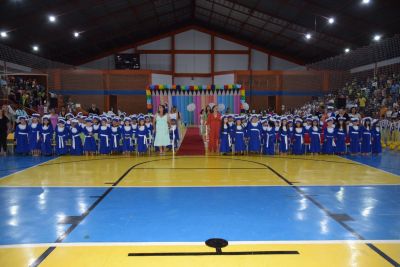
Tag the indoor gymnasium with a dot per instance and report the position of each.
(174, 133)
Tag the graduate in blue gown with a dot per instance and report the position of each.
(376, 138)
(46, 136)
(116, 132)
(298, 138)
(34, 135)
(75, 136)
(231, 124)
(315, 136)
(127, 136)
(142, 136)
(366, 136)
(254, 129)
(341, 134)
(89, 143)
(150, 129)
(269, 137)
(239, 136)
(225, 137)
(134, 129)
(329, 145)
(62, 135)
(22, 136)
(355, 136)
(173, 135)
(104, 134)
(284, 137)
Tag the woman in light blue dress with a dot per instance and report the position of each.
(161, 122)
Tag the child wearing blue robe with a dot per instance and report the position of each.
(284, 137)
(76, 141)
(329, 137)
(376, 138)
(173, 135)
(89, 143)
(315, 137)
(115, 136)
(366, 137)
(127, 136)
(239, 135)
(298, 138)
(104, 134)
(355, 136)
(22, 136)
(134, 129)
(142, 136)
(225, 138)
(34, 135)
(269, 137)
(254, 129)
(341, 134)
(61, 138)
(231, 124)
(46, 136)
(290, 134)
(150, 130)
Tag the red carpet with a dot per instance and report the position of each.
(192, 143)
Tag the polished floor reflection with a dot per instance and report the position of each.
(93, 211)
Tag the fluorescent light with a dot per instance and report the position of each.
(308, 36)
(377, 37)
(365, 2)
(3, 34)
(35, 48)
(347, 50)
(52, 18)
(331, 20)
(76, 34)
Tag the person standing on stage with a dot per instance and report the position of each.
(214, 124)
(161, 124)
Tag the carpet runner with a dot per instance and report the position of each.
(192, 143)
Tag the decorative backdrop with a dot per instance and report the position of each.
(190, 100)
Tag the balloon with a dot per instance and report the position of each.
(246, 106)
(221, 107)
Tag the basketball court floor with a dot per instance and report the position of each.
(160, 210)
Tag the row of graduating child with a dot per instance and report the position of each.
(87, 135)
(273, 134)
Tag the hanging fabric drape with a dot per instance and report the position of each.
(190, 100)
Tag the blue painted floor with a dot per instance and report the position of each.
(13, 164)
(388, 161)
(31, 215)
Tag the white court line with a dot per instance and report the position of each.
(2, 177)
(187, 186)
(144, 244)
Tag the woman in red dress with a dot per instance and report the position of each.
(214, 124)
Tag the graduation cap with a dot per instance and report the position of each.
(298, 120)
(354, 119)
(284, 118)
(46, 117)
(61, 120)
(141, 118)
(74, 121)
(315, 118)
(341, 118)
(88, 120)
(35, 115)
(69, 115)
(127, 119)
(22, 118)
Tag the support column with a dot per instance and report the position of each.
(173, 57)
(212, 59)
